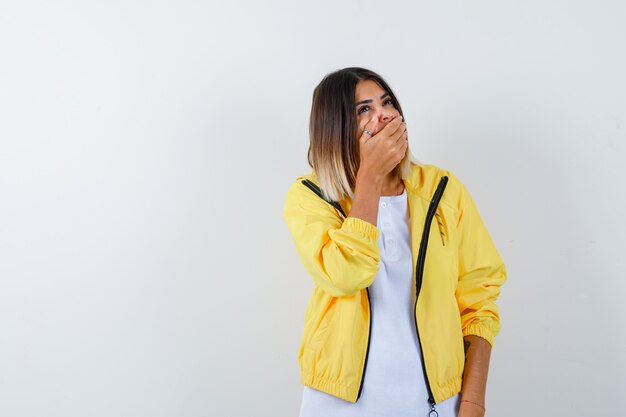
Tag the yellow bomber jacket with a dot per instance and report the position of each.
(457, 268)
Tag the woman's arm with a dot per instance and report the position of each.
(366, 196)
(477, 355)
(341, 255)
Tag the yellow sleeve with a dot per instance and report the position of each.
(481, 271)
(341, 256)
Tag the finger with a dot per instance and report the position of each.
(393, 126)
(399, 133)
(403, 149)
(369, 126)
(400, 146)
(404, 137)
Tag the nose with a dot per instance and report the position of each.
(384, 116)
(380, 119)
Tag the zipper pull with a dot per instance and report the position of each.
(433, 412)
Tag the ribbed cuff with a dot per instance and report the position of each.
(480, 330)
(362, 226)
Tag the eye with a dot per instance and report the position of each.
(389, 101)
(362, 109)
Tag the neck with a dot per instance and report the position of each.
(392, 185)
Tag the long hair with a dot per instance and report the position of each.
(334, 149)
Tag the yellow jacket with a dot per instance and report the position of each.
(458, 279)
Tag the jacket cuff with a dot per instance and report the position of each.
(360, 225)
(480, 330)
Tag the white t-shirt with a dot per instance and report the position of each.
(394, 383)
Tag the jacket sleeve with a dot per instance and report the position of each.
(341, 256)
(481, 271)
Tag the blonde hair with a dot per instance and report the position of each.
(334, 150)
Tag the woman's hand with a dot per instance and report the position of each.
(381, 152)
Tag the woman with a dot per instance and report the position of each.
(402, 317)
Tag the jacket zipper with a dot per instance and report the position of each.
(419, 272)
(367, 351)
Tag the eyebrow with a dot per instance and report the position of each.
(370, 100)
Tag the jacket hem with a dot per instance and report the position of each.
(448, 389)
(347, 393)
(336, 389)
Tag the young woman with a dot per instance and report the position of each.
(402, 317)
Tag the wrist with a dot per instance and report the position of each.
(366, 175)
(475, 407)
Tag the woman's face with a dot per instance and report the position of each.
(373, 104)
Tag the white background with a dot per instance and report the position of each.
(146, 148)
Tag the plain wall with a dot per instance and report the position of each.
(146, 149)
